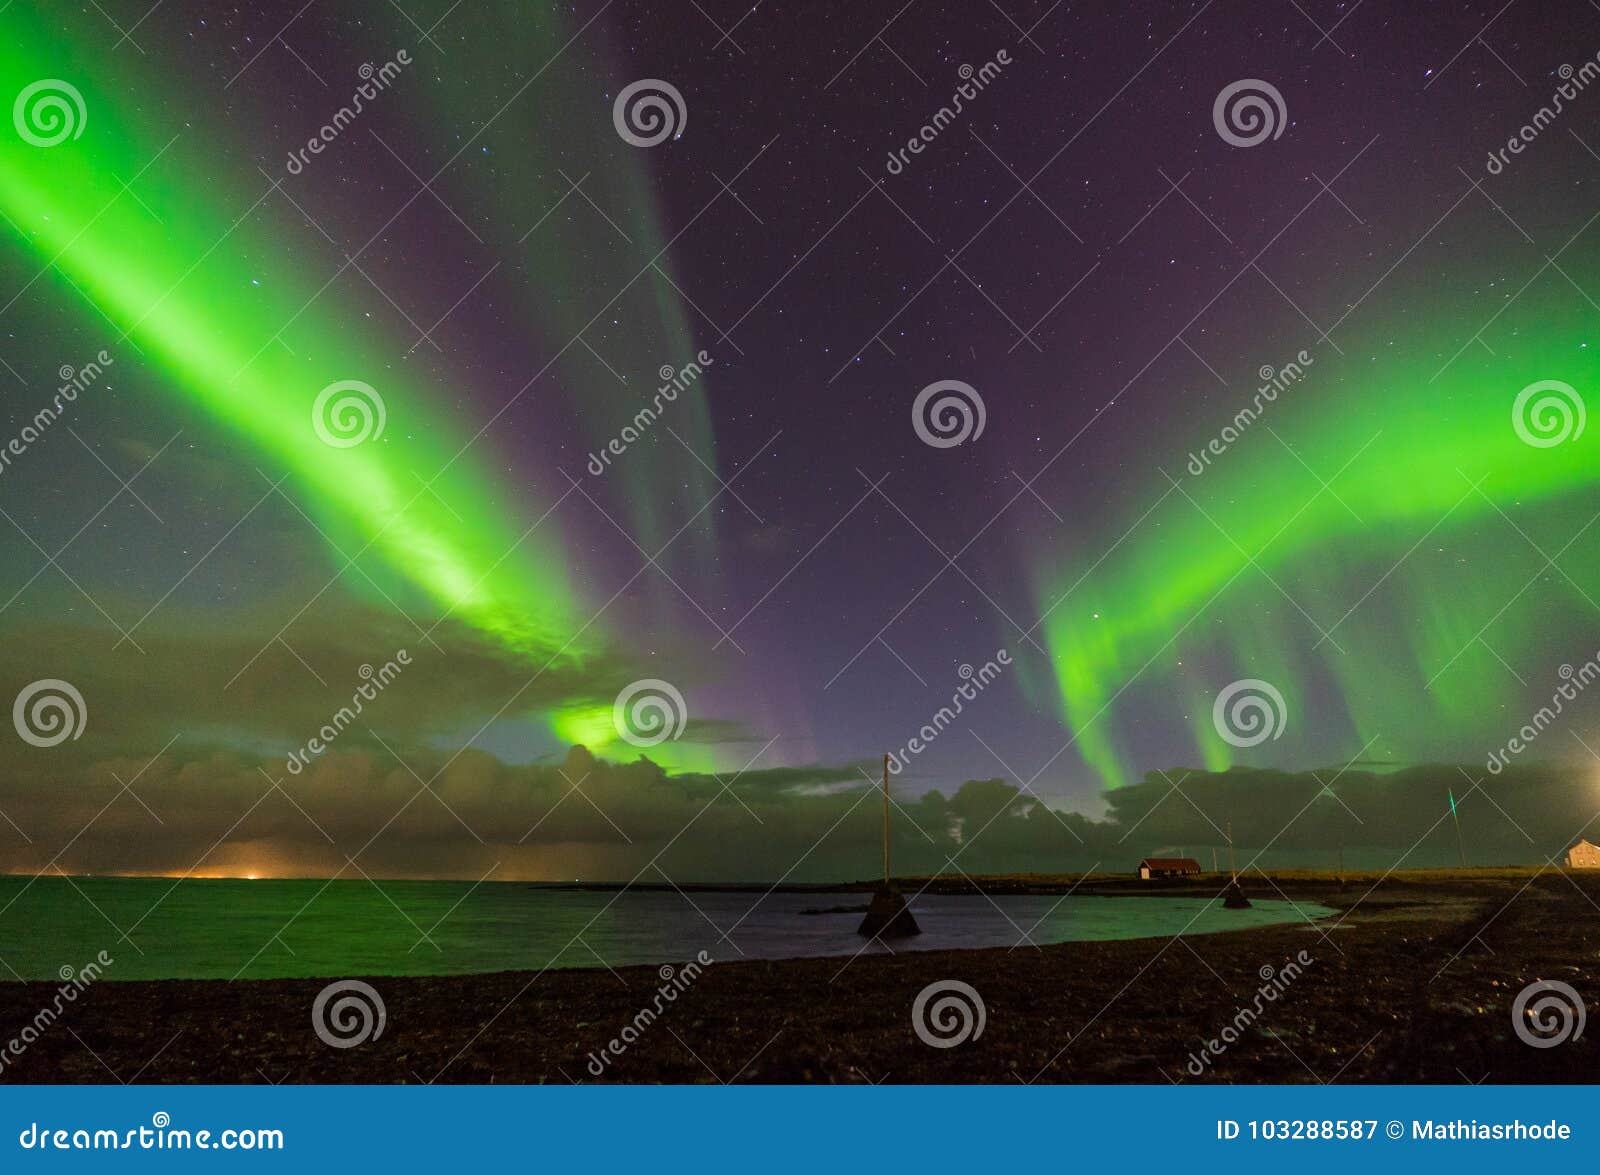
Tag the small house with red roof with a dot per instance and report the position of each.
(1154, 867)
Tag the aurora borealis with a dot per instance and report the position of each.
(194, 320)
(1331, 561)
(1393, 541)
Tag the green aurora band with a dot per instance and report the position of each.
(223, 312)
(1401, 561)
(226, 315)
(569, 289)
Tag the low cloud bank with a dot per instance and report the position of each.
(361, 809)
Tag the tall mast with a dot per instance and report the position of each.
(886, 821)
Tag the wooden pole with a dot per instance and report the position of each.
(886, 822)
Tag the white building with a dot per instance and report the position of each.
(1583, 855)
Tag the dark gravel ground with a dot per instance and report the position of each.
(1415, 984)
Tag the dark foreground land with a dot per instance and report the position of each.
(1413, 983)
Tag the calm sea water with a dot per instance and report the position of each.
(195, 929)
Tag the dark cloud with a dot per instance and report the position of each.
(396, 795)
(1523, 815)
(464, 815)
(247, 678)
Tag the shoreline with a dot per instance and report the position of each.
(1305, 882)
(839, 905)
(1412, 984)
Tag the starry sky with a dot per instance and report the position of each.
(1258, 365)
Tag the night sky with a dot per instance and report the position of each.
(1395, 545)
